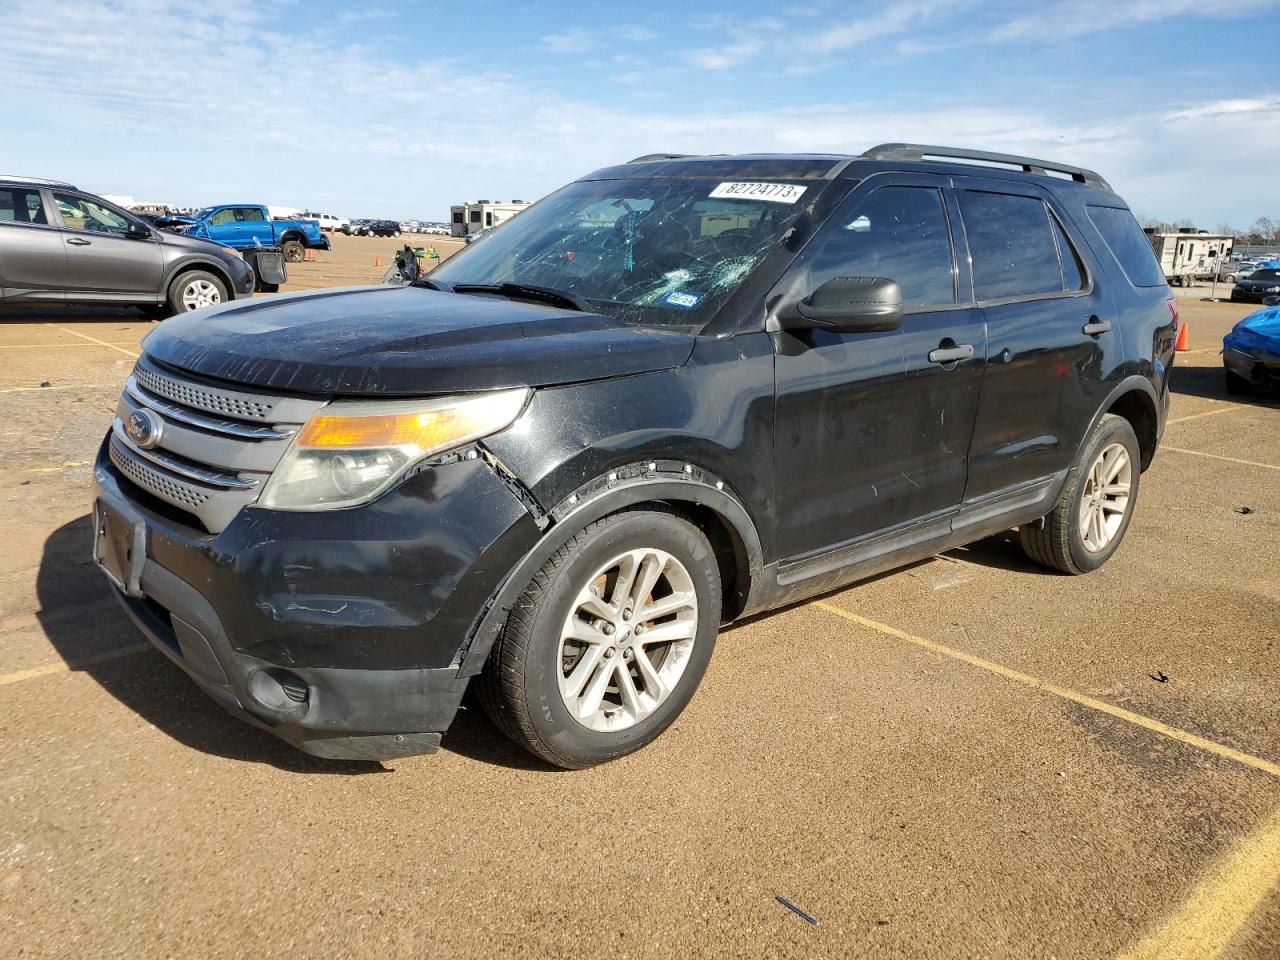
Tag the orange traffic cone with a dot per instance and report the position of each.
(377, 259)
(1184, 337)
(310, 255)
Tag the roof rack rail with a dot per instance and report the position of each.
(40, 180)
(920, 151)
(648, 157)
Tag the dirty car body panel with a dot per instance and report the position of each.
(808, 458)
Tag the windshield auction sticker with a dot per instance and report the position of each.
(744, 190)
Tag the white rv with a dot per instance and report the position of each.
(1189, 254)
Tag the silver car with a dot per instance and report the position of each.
(63, 245)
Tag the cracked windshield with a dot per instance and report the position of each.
(647, 252)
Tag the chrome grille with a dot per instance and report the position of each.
(202, 397)
(176, 492)
(217, 446)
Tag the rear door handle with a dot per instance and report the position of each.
(1096, 327)
(959, 352)
(79, 241)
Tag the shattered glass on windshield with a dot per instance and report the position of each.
(651, 252)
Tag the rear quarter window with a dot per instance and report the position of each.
(1128, 244)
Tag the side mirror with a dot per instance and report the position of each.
(138, 232)
(848, 305)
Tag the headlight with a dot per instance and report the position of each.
(352, 451)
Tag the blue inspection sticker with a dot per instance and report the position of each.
(683, 299)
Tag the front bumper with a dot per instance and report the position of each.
(1250, 296)
(339, 632)
(242, 278)
(322, 243)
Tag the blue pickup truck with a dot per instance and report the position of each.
(244, 225)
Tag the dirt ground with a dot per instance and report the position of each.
(971, 757)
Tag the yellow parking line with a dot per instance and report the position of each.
(1220, 904)
(1209, 746)
(1214, 456)
(52, 668)
(45, 346)
(1208, 413)
(101, 343)
(66, 466)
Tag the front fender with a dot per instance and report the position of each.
(644, 482)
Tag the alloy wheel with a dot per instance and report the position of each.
(1105, 499)
(627, 639)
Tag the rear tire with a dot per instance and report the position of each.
(554, 680)
(195, 290)
(293, 251)
(1095, 506)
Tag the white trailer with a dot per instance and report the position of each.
(1189, 254)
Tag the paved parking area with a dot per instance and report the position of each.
(971, 757)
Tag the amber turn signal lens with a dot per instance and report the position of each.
(429, 427)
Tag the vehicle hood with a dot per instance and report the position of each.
(406, 341)
(1258, 333)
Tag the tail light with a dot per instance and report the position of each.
(1173, 312)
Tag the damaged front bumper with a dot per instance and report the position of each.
(340, 631)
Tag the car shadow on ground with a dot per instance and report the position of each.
(1211, 384)
(38, 313)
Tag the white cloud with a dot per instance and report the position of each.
(580, 41)
(1067, 19)
(324, 125)
(800, 48)
(574, 41)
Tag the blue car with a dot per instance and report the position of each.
(1251, 351)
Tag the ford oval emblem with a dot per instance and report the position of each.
(144, 428)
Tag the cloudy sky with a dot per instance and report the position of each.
(375, 109)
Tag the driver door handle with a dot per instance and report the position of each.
(959, 352)
(79, 241)
(1096, 327)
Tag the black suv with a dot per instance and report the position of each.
(674, 393)
(63, 245)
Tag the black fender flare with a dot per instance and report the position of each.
(668, 481)
(197, 262)
(1133, 382)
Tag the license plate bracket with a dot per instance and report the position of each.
(119, 547)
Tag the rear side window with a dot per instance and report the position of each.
(21, 206)
(1073, 277)
(899, 233)
(1014, 250)
(1132, 249)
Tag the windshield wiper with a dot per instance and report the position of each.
(527, 291)
(432, 284)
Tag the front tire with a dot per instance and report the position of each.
(609, 641)
(196, 290)
(293, 251)
(1096, 504)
